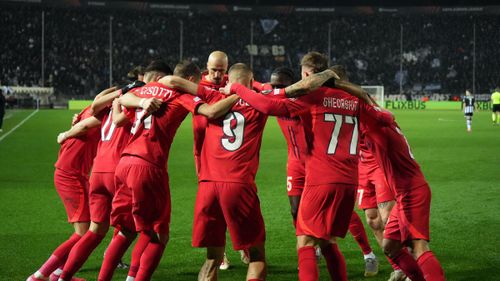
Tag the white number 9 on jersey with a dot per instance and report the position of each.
(233, 126)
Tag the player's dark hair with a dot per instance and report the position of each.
(186, 69)
(315, 60)
(158, 66)
(134, 73)
(341, 71)
(286, 72)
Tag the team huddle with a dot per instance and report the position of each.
(342, 149)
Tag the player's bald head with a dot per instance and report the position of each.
(240, 73)
(217, 66)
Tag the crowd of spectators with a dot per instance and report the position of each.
(438, 50)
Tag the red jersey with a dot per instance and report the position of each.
(294, 128)
(200, 121)
(231, 149)
(113, 141)
(334, 118)
(393, 153)
(77, 154)
(152, 135)
(366, 158)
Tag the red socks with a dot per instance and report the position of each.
(409, 266)
(140, 246)
(308, 268)
(59, 255)
(116, 249)
(358, 232)
(149, 261)
(394, 266)
(80, 253)
(335, 262)
(431, 267)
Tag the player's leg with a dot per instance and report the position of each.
(468, 121)
(72, 190)
(151, 209)
(415, 214)
(208, 271)
(394, 250)
(241, 209)
(374, 220)
(308, 263)
(209, 229)
(140, 246)
(257, 268)
(358, 232)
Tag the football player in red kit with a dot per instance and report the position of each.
(328, 198)
(71, 181)
(141, 175)
(408, 223)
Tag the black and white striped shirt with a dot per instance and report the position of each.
(468, 102)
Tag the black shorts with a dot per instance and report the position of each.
(496, 108)
(469, 114)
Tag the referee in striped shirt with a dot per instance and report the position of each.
(468, 105)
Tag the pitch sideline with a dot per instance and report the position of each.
(18, 125)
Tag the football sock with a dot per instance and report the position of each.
(409, 266)
(431, 267)
(498, 119)
(358, 232)
(493, 117)
(116, 249)
(140, 246)
(335, 262)
(469, 123)
(80, 253)
(308, 268)
(394, 265)
(58, 257)
(149, 261)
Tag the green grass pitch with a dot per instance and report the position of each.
(463, 171)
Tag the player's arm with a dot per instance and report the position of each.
(104, 99)
(310, 83)
(132, 101)
(179, 83)
(118, 116)
(79, 129)
(217, 109)
(266, 105)
(354, 90)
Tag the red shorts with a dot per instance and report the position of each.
(295, 178)
(409, 219)
(142, 196)
(101, 193)
(325, 210)
(73, 190)
(232, 205)
(372, 188)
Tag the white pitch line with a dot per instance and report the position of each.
(18, 125)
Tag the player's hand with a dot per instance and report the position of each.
(335, 75)
(116, 102)
(151, 105)
(61, 138)
(226, 90)
(74, 120)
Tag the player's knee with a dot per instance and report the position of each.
(257, 253)
(305, 241)
(419, 247)
(99, 228)
(391, 248)
(81, 227)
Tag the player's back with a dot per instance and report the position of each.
(334, 146)
(113, 141)
(152, 135)
(77, 154)
(232, 143)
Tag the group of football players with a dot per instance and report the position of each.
(340, 145)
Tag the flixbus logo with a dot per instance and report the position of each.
(412, 105)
